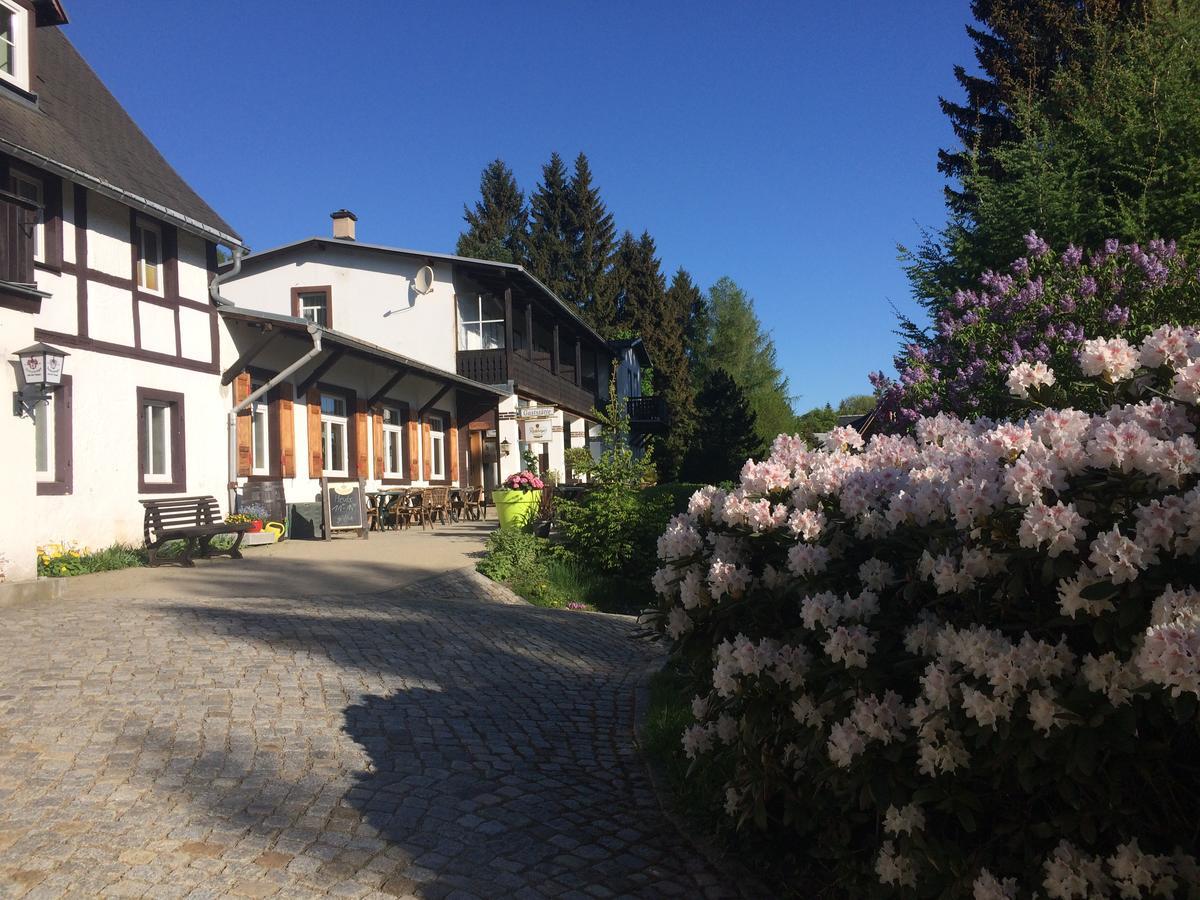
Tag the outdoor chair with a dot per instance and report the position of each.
(413, 507)
(436, 501)
(391, 507)
(472, 502)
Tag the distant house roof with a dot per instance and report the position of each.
(635, 344)
(79, 130)
(520, 272)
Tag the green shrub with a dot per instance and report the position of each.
(511, 551)
(65, 559)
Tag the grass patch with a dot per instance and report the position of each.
(698, 791)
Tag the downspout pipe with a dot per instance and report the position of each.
(314, 332)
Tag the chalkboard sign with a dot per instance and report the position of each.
(345, 505)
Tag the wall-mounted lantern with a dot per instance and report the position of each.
(42, 372)
(505, 447)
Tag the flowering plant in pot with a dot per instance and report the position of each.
(256, 513)
(524, 481)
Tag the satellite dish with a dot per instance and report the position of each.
(423, 282)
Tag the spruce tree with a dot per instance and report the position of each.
(729, 436)
(496, 227)
(593, 238)
(551, 239)
(673, 373)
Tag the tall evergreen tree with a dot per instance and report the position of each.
(593, 237)
(730, 434)
(496, 227)
(1019, 46)
(740, 345)
(551, 231)
(640, 288)
(673, 374)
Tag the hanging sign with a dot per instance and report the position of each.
(536, 412)
(538, 431)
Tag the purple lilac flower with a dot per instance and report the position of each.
(1072, 256)
(1020, 266)
(1087, 286)
(1111, 246)
(1072, 333)
(1035, 244)
(996, 282)
(1116, 315)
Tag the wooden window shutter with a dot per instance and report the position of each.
(452, 444)
(286, 426)
(316, 452)
(241, 390)
(377, 438)
(410, 447)
(426, 452)
(362, 455)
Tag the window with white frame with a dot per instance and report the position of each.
(480, 322)
(43, 440)
(314, 306)
(14, 43)
(260, 440)
(393, 443)
(149, 264)
(157, 441)
(335, 454)
(30, 189)
(437, 447)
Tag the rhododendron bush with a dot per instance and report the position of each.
(964, 662)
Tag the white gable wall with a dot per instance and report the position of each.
(372, 293)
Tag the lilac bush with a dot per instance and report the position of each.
(965, 661)
(1041, 310)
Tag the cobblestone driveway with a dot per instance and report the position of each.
(438, 742)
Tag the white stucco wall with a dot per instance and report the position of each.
(108, 236)
(18, 545)
(103, 505)
(372, 297)
(193, 267)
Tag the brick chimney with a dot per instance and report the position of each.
(343, 224)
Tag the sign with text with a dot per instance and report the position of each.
(538, 431)
(536, 412)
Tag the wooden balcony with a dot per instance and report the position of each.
(499, 367)
(647, 413)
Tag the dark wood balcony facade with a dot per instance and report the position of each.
(18, 219)
(547, 355)
(648, 414)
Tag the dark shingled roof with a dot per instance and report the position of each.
(81, 125)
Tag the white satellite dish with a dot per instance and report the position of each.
(423, 282)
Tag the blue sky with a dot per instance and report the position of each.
(790, 146)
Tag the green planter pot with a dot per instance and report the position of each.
(516, 509)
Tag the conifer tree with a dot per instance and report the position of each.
(593, 237)
(673, 373)
(551, 232)
(739, 344)
(496, 227)
(730, 434)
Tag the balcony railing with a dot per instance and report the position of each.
(647, 413)
(484, 366)
(18, 218)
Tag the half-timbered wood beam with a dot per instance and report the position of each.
(242, 362)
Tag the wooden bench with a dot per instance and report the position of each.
(194, 520)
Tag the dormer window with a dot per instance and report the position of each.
(14, 44)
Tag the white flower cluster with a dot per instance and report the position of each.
(1065, 512)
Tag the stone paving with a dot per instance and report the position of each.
(437, 741)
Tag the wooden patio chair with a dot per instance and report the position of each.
(391, 509)
(436, 501)
(472, 502)
(415, 507)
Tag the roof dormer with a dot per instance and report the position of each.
(18, 18)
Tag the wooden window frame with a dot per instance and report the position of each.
(63, 481)
(351, 398)
(50, 188)
(406, 449)
(447, 424)
(178, 481)
(325, 289)
(141, 225)
(262, 404)
(22, 45)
